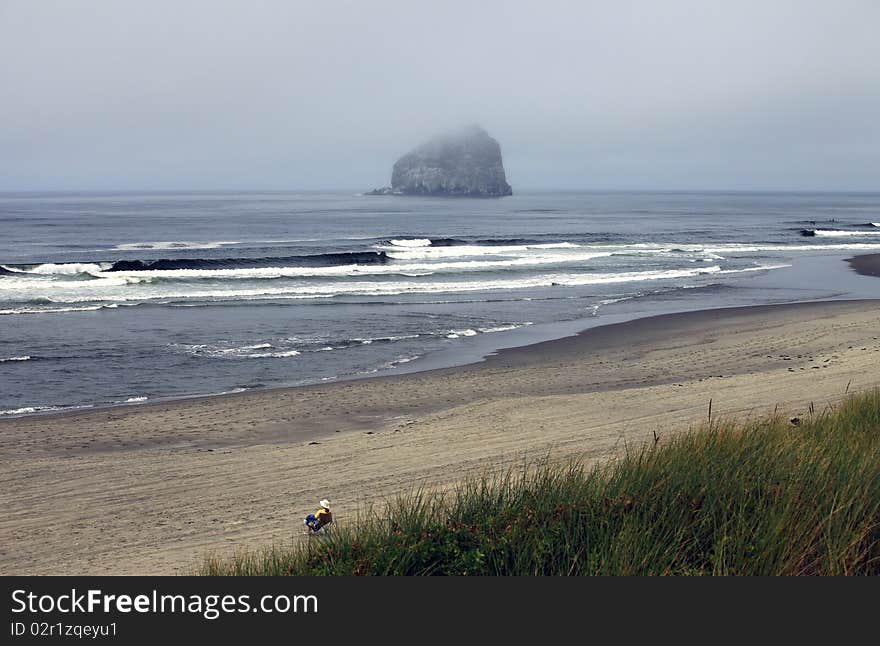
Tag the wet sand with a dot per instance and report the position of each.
(148, 489)
(867, 265)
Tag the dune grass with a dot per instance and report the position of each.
(759, 498)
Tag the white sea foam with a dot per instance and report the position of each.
(594, 309)
(386, 366)
(223, 350)
(358, 340)
(420, 242)
(504, 328)
(258, 346)
(37, 290)
(406, 359)
(500, 328)
(22, 358)
(732, 248)
(876, 224)
(273, 355)
(454, 334)
(61, 269)
(412, 270)
(134, 400)
(401, 360)
(27, 410)
(101, 285)
(236, 352)
(101, 279)
(468, 251)
(374, 288)
(52, 310)
(230, 392)
(751, 269)
(572, 253)
(612, 301)
(555, 245)
(834, 233)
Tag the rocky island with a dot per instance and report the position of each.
(463, 163)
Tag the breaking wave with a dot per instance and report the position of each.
(315, 260)
(423, 242)
(56, 269)
(454, 334)
(55, 310)
(392, 266)
(837, 233)
(415, 242)
(30, 410)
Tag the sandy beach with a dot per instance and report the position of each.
(149, 489)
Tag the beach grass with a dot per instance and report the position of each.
(761, 497)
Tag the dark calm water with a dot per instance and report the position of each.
(106, 299)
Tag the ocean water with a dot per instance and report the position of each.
(124, 298)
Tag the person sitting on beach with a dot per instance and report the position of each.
(320, 518)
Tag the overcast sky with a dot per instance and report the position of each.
(282, 94)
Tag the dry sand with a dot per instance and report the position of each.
(149, 489)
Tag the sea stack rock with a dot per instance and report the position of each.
(464, 163)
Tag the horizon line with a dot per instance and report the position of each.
(361, 192)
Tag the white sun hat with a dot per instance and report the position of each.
(325, 503)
